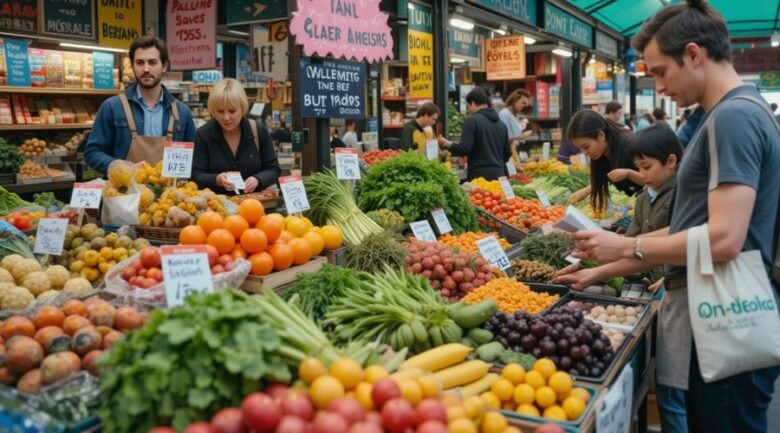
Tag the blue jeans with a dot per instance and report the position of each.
(671, 406)
(737, 404)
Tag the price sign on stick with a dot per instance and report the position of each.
(347, 166)
(492, 252)
(177, 159)
(510, 168)
(236, 179)
(543, 198)
(441, 220)
(86, 195)
(50, 236)
(546, 150)
(186, 271)
(506, 187)
(422, 231)
(432, 149)
(294, 194)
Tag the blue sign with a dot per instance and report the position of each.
(207, 77)
(567, 26)
(332, 88)
(103, 70)
(373, 124)
(604, 85)
(17, 63)
(243, 63)
(523, 10)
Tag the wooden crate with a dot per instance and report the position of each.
(337, 257)
(277, 280)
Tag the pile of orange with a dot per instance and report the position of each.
(270, 242)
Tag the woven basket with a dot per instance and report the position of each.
(159, 235)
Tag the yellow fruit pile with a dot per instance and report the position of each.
(487, 185)
(180, 206)
(467, 242)
(22, 281)
(151, 174)
(511, 296)
(548, 166)
(540, 392)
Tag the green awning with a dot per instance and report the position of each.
(744, 17)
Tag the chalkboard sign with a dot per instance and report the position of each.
(332, 88)
(69, 18)
(19, 15)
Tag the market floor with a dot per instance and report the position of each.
(774, 410)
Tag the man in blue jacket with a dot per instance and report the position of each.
(135, 124)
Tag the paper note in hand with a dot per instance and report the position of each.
(575, 220)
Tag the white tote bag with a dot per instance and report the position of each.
(733, 309)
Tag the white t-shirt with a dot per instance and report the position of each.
(513, 125)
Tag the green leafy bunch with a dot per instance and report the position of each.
(413, 186)
(10, 160)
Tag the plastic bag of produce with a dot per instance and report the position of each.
(121, 195)
(155, 295)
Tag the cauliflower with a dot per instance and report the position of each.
(8, 261)
(5, 288)
(36, 282)
(47, 295)
(24, 267)
(6, 277)
(17, 298)
(58, 276)
(78, 286)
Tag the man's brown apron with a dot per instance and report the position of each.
(146, 148)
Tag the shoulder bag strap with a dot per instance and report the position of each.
(174, 117)
(128, 114)
(253, 127)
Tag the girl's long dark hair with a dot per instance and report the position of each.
(587, 124)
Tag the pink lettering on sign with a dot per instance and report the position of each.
(191, 29)
(353, 29)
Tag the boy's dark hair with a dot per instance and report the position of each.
(773, 106)
(659, 114)
(477, 96)
(149, 42)
(612, 107)
(673, 27)
(657, 142)
(428, 109)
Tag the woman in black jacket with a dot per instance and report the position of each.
(230, 142)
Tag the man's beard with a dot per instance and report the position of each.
(149, 86)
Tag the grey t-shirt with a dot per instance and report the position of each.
(749, 154)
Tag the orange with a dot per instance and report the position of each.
(301, 251)
(555, 413)
(310, 369)
(192, 235)
(222, 240)
(573, 406)
(545, 397)
(238, 252)
(210, 221)
(474, 407)
(324, 390)
(235, 224)
(545, 366)
(494, 422)
(282, 255)
(561, 383)
(262, 263)
(253, 240)
(277, 216)
(374, 373)
(524, 394)
(582, 393)
(251, 209)
(461, 425)
(271, 226)
(308, 222)
(332, 236)
(535, 379)
(528, 409)
(514, 373)
(491, 400)
(316, 242)
(502, 389)
(411, 391)
(296, 226)
(363, 395)
(347, 371)
(286, 236)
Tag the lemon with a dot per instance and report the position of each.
(582, 393)
(535, 379)
(491, 400)
(514, 373)
(545, 397)
(561, 383)
(528, 409)
(502, 389)
(545, 366)
(555, 413)
(573, 407)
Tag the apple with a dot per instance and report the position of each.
(430, 410)
(277, 391)
(228, 420)
(383, 390)
(297, 403)
(260, 412)
(397, 415)
(349, 408)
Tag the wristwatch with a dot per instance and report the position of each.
(638, 254)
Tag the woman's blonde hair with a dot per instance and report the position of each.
(228, 92)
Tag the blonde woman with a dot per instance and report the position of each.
(231, 142)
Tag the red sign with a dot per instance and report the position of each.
(179, 145)
(183, 249)
(191, 26)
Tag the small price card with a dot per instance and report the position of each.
(613, 415)
(432, 149)
(347, 167)
(506, 187)
(571, 259)
(546, 150)
(441, 220)
(510, 168)
(50, 236)
(186, 271)
(177, 159)
(543, 198)
(422, 231)
(236, 179)
(294, 194)
(492, 252)
(86, 195)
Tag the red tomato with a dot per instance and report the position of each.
(224, 259)
(430, 410)
(128, 273)
(296, 403)
(384, 390)
(23, 224)
(291, 424)
(329, 422)
(198, 427)
(150, 257)
(155, 273)
(228, 420)
(397, 415)
(260, 412)
(213, 254)
(349, 408)
(217, 269)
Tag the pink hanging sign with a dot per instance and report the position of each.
(191, 29)
(354, 29)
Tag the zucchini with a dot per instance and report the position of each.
(474, 315)
(466, 341)
(480, 336)
(490, 352)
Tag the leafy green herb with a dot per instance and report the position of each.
(10, 160)
(10, 201)
(376, 252)
(550, 248)
(313, 292)
(47, 200)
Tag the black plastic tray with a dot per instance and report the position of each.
(552, 289)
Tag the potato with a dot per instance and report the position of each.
(610, 309)
(631, 311)
(630, 320)
(603, 318)
(598, 310)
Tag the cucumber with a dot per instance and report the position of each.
(466, 341)
(436, 336)
(480, 336)
(420, 334)
(471, 316)
(406, 335)
(490, 352)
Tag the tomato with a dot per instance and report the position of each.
(365, 427)
(217, 269)
(155, 273)
(397, 415)
(430, 410)
(291, 424)
(432, 427)
(224, 259)
(260, 412)
(329, 422)
(349, 408)
(150, 257)
(162, 430)
(384, 390)
(297, 404)
(228, 420)
(213, 254)
(23, 224)
(128, 273)
(198, 427)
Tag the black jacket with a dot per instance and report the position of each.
(485, 141)
(212, 156)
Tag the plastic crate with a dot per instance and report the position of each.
(570, 424)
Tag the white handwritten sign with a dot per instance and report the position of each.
(432, 149)
(347, 166)
(546, 150)
(543, 198)
(86, 195)
(422, 231)
(236, 179)
(510, 168)
(506, 187)
(441, 220)
(614, 414)
(50, 236)
(294, 194)
(177, 159)
(185, 272)
(492, 252)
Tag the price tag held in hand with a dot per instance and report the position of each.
(543, 198)
(50, 237)
(347, 166)
(510, 168)
(506, 187)
(546, 150)
(177, 159)
(236, 179)
(441, 220)
(492, 252)
(86, 195)
(294, 194)
(422, 231)
(186, 271)
(432, 149)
